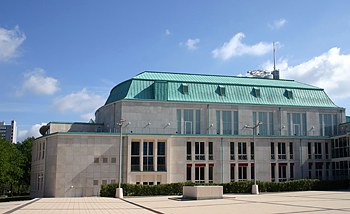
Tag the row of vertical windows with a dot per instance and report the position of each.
(282, 172)
(40, 151)
(199, 151)
(340, 147)
(328, 124)
(104, 160)
(188, 121)
(296, 124)
(227, 122)
(315, 150)
(266, 119)
(148, 157)
(242, 151)
(199, 173)
(281, 151)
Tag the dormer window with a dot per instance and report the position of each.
(222, 90)
(184, 88)
(256, 92)
(289, 94)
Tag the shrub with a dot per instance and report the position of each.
(108, 190)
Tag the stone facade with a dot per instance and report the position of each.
(166, 142)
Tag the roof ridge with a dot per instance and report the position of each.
(211, 75)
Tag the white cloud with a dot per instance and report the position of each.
(277, 24)
(83, 102)
(192, 44)
(38, 83)
(235, 47)
(10, 40)
(329, 71)
(32, 132)
(167, 32)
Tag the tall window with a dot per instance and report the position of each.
(229, 121)
(273, 177)
(189, 173)
(232, 150)
(309, 150)
(211, 173)
(252, 150)
(282, 151)
(242, 172)
(328, 124)
(282, 172)
(272, 151)
(161, 157)
(189, 151)
(326, 150)
(135, 156)
(318, 171)
(291, 171)
(242, 151)
(210, 151)
(188, 121)
(148, 156)
(198, 122)
(252, 172)
(310, 170)
(291, 151)
(266, 128)
(199, 174)
(296, 124)
(318, 150)
(199, 151)
(232, 173)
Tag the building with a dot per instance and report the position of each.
(8, 132)
(190, 127)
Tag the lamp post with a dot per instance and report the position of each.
(255, 188)
(119, 190)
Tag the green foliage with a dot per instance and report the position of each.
(233, 187)
(15, 163)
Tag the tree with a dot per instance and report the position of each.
(15, 166)
(25, 148)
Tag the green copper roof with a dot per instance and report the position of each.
(219, 89)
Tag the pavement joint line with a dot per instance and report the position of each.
(139, 205)
(21, 206)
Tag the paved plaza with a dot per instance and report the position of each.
(314, 202)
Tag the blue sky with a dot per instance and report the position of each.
(60, 59)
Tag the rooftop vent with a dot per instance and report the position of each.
(222, 90)
(256, 92)
(288, 93)
(184, 88)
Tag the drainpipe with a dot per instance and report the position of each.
(280, 120)
(208, 118)
(222, 166)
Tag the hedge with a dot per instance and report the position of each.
(108, 190)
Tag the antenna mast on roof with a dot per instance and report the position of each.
(275, 73)
(274, 57)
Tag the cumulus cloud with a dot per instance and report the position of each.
(38, 83)
(329, 71)
(10, 41)
(235, 47)
(32, 132)
(277, 24)
(83, 102)
(192, 44)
